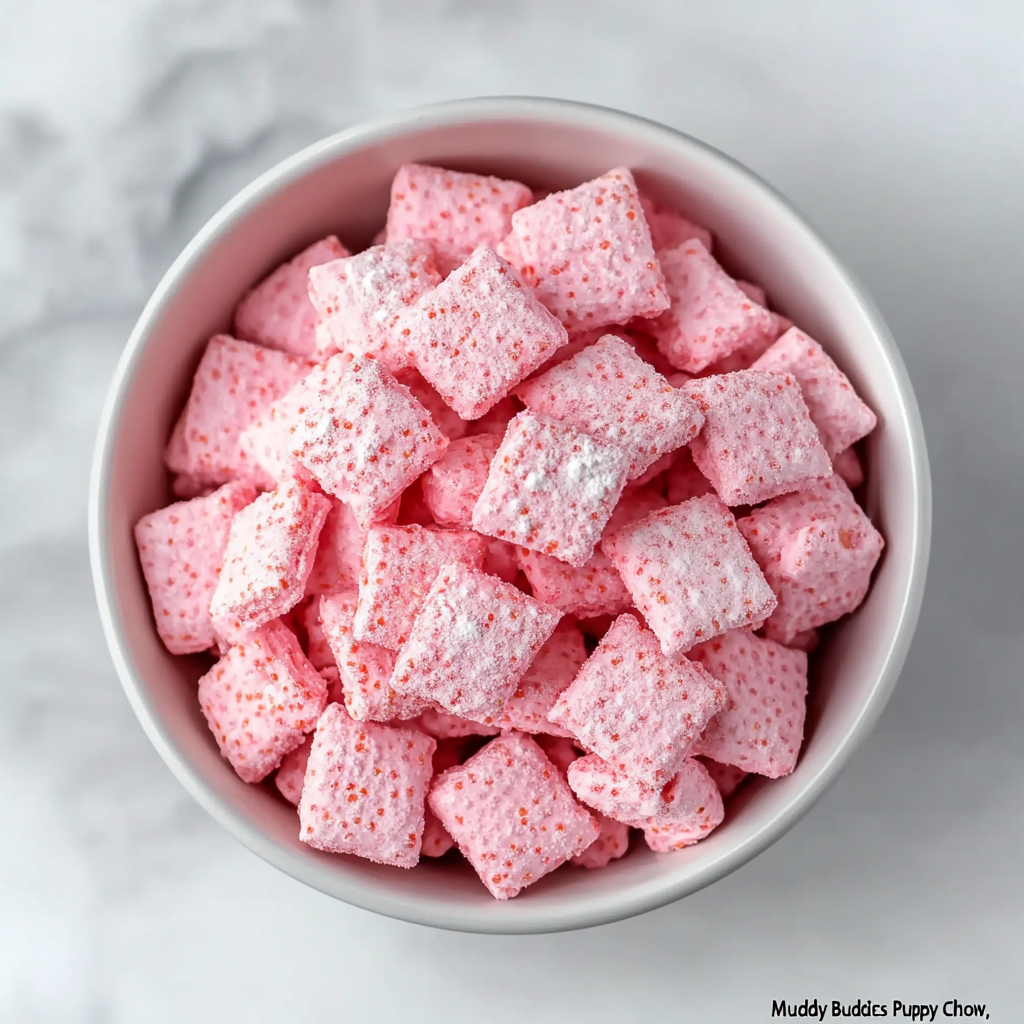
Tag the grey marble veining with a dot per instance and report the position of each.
(125, 123)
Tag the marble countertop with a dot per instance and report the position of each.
(125, 123)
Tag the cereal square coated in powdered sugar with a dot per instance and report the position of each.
(270, 553)
(366, 439)
(261, 699)
(639, 709)
(277, 312)
(588, 255)
(399, 566)
(691, 573)
(609, 392)
(365, 788)
(612, 842)
(670, 228)
(471, 644)
(511, 814)
(478, 334)
(758, 440)
(761, 727)
(181, 549)
(551, 488)
(453, 484)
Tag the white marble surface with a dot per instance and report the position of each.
(894, 125)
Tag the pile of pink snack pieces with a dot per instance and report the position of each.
(459, 522)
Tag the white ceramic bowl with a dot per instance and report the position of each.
(341, 185)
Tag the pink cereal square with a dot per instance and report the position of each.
(691, 573)
(181, 550)
(270, 552)
(452, 485)
(288, 778)
(365, 788)
(359, 298)
(436, 841)
(511, 814)
(399, 566)
(670, 228)
(612, 843)
(609, 392)
(318, 650)
(641, 710)
(837, 410)
(472, 642)
(709, 317)
(456, 211)
(551, 488)
(366, 439)
(277, 312)
(233, 384)
(366, 669)
(449, 422)
(761, 727)
(758, 441)
(443, 726)
(261, 699)
(817, 550)
(588, 253)
(726, 777)
(554, 668)
(478, 334)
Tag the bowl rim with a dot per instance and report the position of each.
(461, 917)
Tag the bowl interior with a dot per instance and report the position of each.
(341, 186)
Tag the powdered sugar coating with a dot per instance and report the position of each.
(478, 334)
(612, 842)
(670, 228)
(277, 312)
(758, 440)
(366, 439)
(458, 212)
(609, 392)
(587, 253)
(446, 727)
(453, 484)
(261, 699)
(710, 317)
(639, 709)
(181, 550)
(691, 573)
(318, 650)
(817, 549)
(399, 566)
(512, 814)
(471, 644)
(551, 488)
(359, 299)
(270, 552)
(365, 788)
(449, 422)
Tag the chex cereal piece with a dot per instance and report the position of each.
(848, 465)
(612, 842)
(449, 422)
(727, 777)
(550, 673)
(366, 439)
(641, 710)
(817, 549)
(471, 644)
(277, 312)
(366, 669)
(365, 788)
(318, 650)
(261, 699)
(288, 777)
(655, 473)
(758, 440)
(359, 299)
(341, 543)
(595, 588)
(679, 814)
(761, 727)
(690, 572)
(478, 334)
(588, 253)
(512, 814)
(447, 727)
(270, 552)
(233, 384)
(686, 481)
(837, 410)
(399, 566)
(181, 549)
(456, 211)
(608, 391)
(436, 840)
(669, 228)
(453, 484)
(710, 316)
(578, 341)
(551, 488)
